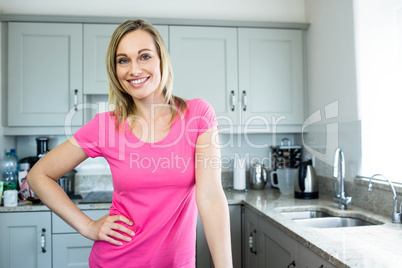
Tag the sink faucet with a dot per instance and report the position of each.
(396, 216)
(339, 173)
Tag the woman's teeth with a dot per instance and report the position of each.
(138, 81)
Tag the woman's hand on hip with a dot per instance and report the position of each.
(107, 227)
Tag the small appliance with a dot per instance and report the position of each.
(306, 182)
(258, 176)
(285, 156)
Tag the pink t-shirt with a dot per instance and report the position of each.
(154, 186)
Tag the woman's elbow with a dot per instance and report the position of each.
(34, 176)
(31, 178)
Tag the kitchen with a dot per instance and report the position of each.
(330, 77)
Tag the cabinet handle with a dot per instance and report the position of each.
(75, 99)
(293, 263)
(233, 100)
(251, 242)
(43, 240)
(244, 101)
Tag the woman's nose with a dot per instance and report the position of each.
(135, 69)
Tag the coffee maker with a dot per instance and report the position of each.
(285, 156)
(42, 147)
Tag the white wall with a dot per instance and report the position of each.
(331, 56)
(254, 10)
(332, 84)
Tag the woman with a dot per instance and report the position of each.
(163, 163)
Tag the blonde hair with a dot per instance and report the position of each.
(123, 102)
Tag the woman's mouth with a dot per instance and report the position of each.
(139, 81)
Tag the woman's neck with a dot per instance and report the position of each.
(151, 109)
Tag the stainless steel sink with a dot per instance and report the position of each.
(324, 219)
(307, 214)
(334, 222)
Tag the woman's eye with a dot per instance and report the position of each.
(122, 61)
(145, 57)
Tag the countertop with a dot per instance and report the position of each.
(364, 246)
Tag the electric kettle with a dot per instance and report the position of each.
(306, 182)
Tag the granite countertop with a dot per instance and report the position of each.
(365, 246)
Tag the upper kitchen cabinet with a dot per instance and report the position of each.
(253, 77)
(44, 73)
(96, 42)
(205, 66)
(271, 76)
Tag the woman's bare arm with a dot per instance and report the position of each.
(42, 180)
(211, 200)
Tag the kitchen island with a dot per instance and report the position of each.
(364, 246)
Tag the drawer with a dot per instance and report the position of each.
(71, 250)
(60, 227)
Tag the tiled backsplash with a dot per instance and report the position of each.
(85, 183)
(379, 200)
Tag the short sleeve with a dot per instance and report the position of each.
(89, 136)
(205, 115)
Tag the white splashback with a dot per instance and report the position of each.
(348, 139)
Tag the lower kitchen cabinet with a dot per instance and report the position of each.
(203, 257)
(250, 239)
(277, 248)
(25, 240)
(265, 245)
(70, 249)
(308, 259)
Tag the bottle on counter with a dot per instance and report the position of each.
(14, 155)
(25, 191)
(9, 166)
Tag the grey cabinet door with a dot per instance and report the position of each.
(44, 74)
(205, 66)
(307, 259)
(61, 227)
(250, 239)
(271, 76)
(96, 42)
(71, 250)
(277, 248)
(203, 257)
(23, 234)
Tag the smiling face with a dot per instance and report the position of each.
(138, 65)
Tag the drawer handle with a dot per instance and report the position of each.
(251, 242)
(75, 99)
(233, 100)
(43, 240)
(293, 263)
(244, 101)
